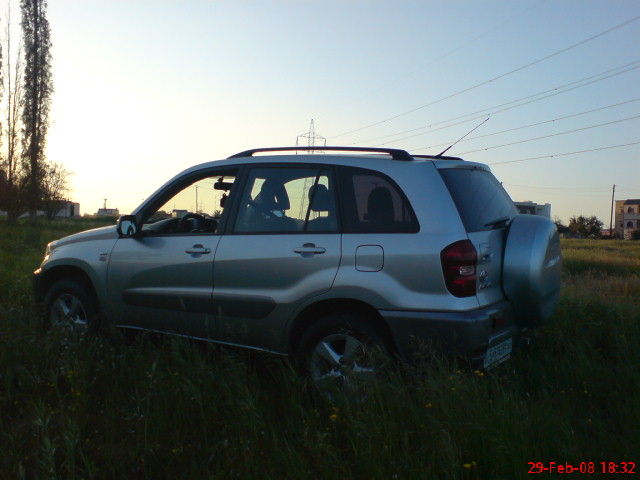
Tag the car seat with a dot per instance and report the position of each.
(321, 201)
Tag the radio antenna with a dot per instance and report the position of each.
(465, 135)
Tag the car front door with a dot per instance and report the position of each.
(283, 249)
(162, 278)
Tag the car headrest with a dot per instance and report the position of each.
(273, 196)
(321, 198)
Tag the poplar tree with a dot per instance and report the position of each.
(38, 88)
(12, 175)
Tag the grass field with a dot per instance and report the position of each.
(117, 407)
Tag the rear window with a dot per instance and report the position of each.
(373, 203)
(479, 197)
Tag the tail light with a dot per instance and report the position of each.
(459, 268)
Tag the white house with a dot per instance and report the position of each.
(531, 208)
(627, 217)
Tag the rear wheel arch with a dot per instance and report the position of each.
(317, 311)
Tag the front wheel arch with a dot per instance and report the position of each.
(64, 272)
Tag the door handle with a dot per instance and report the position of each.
(309, 249)
(198, 249)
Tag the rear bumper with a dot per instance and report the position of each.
(467, 334)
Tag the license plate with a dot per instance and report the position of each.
(498, 353)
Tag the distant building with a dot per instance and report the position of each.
(627, 218)
(110, 212)
(69, 210)
(179, 213)
(102, 212)
(531, 208)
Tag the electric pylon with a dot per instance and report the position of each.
(312, 137)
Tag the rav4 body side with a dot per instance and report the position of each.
(319, 257)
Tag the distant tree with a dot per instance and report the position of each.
(635, 235)
(160, 215)
(3, 175)
(38, 87)
(54, 188)
(585, 227)
(1, 74)
(12, 194)
(560, 226)
(4, 188)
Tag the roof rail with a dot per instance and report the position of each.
(395, 154)
(437, 157)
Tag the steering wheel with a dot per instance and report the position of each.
(183, 223)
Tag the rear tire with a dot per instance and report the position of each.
(70, 307)
(341, 354)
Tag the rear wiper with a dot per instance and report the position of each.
(499, 222)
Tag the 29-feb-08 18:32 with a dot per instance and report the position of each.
(583, 467)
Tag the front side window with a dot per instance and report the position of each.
(195, 208)
(287, 200)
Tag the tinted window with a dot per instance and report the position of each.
(287, 200)
(479, 197)
(373, 203)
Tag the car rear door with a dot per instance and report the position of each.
(282, 249)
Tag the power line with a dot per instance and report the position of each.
(552, 135)
(622, 187)
(486, 82)
(451, 52)
(525, 101)
(537, 124)
(565, 154)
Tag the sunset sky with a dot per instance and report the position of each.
(144, 89)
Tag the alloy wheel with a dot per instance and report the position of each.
(67, 311)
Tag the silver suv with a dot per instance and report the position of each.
(317, 255)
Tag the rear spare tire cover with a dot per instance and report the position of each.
(532, 269)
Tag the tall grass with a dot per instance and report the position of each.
(116, 407)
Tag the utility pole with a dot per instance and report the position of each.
(611, 218)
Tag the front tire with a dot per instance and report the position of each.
(70, 307)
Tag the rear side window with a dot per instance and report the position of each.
(479, 197)
(288, 200)
(373, 203)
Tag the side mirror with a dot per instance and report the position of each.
(127, 226)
